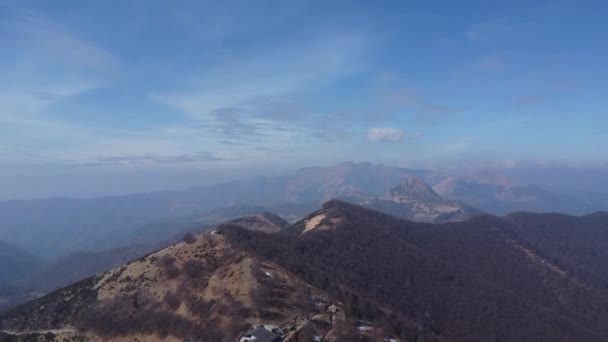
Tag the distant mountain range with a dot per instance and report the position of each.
(504, 198)
(347, 273)
(411, 199)
(106, 223)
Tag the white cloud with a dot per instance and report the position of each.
(377, 134)
(382, 134)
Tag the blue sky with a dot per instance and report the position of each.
(223, 88)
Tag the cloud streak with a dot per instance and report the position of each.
(39, 34)
(389, 135)
(244, 98)
(249, 98)
(154, 158)
(50, 63)
(244, 80)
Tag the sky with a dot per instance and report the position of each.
(101, 97)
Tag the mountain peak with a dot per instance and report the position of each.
(413, 199)
(336, 203)
(413, 188)
(265, 222)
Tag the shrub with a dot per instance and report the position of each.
(168, 264)
(189, 238)
(172, 300)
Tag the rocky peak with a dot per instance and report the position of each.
(413, 188)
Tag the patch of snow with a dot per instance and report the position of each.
(364, 328)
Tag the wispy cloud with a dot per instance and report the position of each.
(454, 147)
(332, 133)
(38, 33)
(248, 95)
(241, 80)
(154, 158)
(50, 63)
(232, 123)
(387, 134)
(232, 143)
(238, 97)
